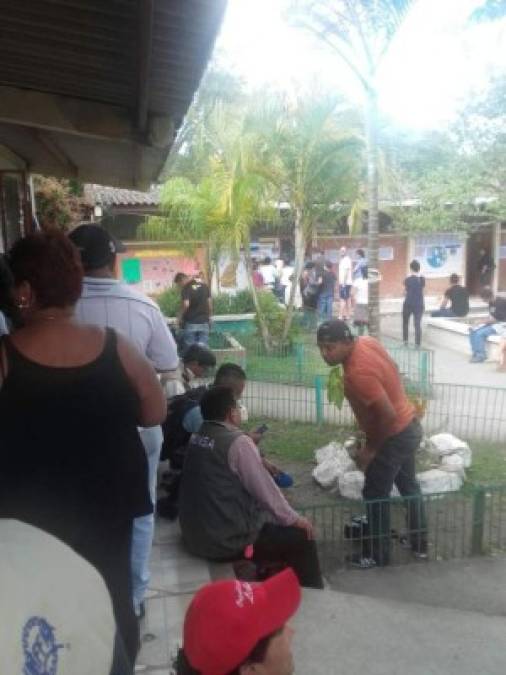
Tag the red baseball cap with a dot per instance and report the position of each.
(226, 619)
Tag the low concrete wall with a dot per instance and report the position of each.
(454, 334)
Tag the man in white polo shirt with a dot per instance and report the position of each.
(105, 301)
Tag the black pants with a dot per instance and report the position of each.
(417, 313)
(394, 463)
(290, 546)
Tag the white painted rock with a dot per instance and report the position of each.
(435, 480)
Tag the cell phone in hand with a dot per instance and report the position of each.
(262, 429)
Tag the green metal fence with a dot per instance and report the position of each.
(469, 412)
(459, 525)
(300, 362)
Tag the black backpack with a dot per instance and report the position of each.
(175, 436)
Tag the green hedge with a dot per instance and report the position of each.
(223, 303)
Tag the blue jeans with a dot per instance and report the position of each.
(325, 304)
(478, 340)
(143, 528)
(195, 333)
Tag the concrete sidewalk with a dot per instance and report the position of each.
(350, 634)
(420, 619)
(450, 367)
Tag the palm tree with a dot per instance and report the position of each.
(359, 32)
(226, 204)
(312, 155)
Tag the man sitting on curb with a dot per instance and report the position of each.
(457, 296)
(494, 325)
(229, 503)
(375, 393)
(196, 363)
(237, 628)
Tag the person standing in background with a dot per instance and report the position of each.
(310, 285)
(268, 272)
(413, 302)
(107, 302)
(326, 296)
(196, 309)
(359, 264)
(345, 282)
(485, 267)
(360, 293)
(257, 278)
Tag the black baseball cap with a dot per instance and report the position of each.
(96, 245)
(334, 331)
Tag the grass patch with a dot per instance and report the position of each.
(489, 463)
(296, 441)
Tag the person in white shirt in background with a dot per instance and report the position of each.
(268, 272)
(360, 292)
(108, 302)
(345, 283)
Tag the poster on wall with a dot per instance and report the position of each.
(440, 255)
(151, 271)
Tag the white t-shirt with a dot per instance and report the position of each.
(269, 273)
(345, 267)
(113, 304)
(361, 291)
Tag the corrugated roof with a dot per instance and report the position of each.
(112, 71)
(109, 196)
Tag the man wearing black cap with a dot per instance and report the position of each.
(107, 302)
(376, 395)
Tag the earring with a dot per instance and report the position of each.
(23, 303)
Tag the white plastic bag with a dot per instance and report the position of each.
(444, 444)
(435, 480)
(453, 463)
(351, 485)
(326, 452)
(327, 473)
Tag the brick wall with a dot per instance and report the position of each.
(393, 272)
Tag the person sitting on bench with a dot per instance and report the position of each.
(229, 504)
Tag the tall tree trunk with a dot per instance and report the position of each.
(372, 207)
(264, 328)
(300, 250)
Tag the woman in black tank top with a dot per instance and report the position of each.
(71, 398)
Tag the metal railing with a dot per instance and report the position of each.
(458, 525)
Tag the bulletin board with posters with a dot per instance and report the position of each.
(440, 255)
(151, 271)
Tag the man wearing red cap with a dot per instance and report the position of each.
(239, 628)
(393, 433)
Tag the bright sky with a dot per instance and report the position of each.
(433, 63)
